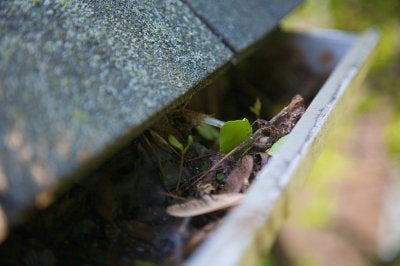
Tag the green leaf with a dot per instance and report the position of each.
(208, 132)
(256, 108)
(277, 145)
(175, 142)
(233, 133)
(220, 176)
(188, 144)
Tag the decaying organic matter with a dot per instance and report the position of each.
(238, 173)
(239, 176)
(153, 202)
(205, 204)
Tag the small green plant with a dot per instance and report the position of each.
(256, 108)
(182, 151)
(277, 145)
(233, 133)
(208, 132)
(220, 176)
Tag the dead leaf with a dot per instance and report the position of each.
(287, 118)
(207, 204)
(264, 158)
(239, 175)
(197, 238)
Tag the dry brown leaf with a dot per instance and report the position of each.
(197, 238)
(263, 158)
(206, 204)
(239, 175)
(287, 118)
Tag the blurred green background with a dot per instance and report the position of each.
(348, 213)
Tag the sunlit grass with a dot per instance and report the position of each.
(393, 136)
(310, 14)
(329, 167)
(305, 261)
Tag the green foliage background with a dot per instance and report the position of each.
(382, 87)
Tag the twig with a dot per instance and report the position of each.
(289, 114)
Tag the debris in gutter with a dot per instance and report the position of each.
(205, 204)
(154, 202)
